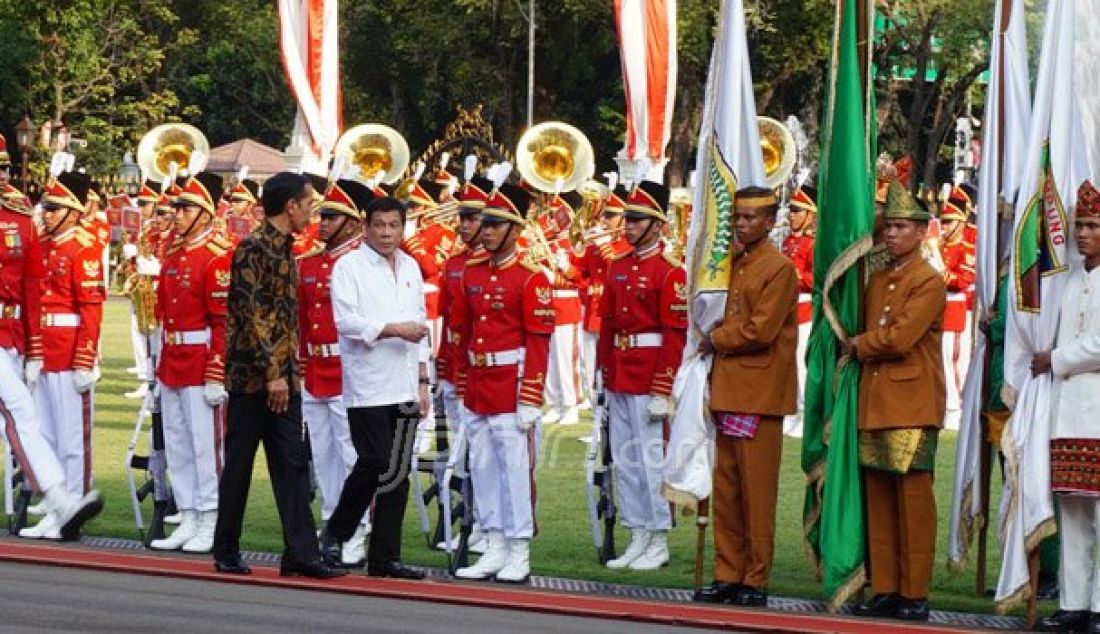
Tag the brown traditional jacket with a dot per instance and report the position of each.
(754, 368)
(902, 383)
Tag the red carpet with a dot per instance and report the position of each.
(488, 595)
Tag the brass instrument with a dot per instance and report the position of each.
(170, 144)
(555, 157)
(778, 149)
(374, 148)
(595, 195)
(539, 250)
(141, 289)
(679, 203)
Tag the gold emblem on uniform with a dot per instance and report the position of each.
(544, 295)
(222, 277)
(91, 268)
(681, 290)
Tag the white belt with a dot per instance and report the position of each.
(430, 288)
(493, 359)
(956, 298)
(324, 350)
(565, 294)
(187, 337)
(805, 298)
(11, 311)
(61, 320)
(640, 340)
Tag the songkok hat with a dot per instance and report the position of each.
(648, 200)
(347, 197)
(509, 202)
(1088, 201)
(900, 205)
(202, 189)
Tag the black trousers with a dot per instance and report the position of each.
(249, 422)
(383, 438)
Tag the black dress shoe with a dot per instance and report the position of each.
(913, 610)
(751, 597)
(395, 570)
(1048, 587)
(330, 549)
(717, 592)
(1065, 621)
(1094, 623)
(880, 605)
(233, 566)
(315, 569)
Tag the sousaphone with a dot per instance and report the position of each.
(555, 157)
(374, 148)
(172, 143)
(778, 149)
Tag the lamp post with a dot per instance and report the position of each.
(130, 175)
(24, 132)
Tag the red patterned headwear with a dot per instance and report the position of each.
(1088, 201)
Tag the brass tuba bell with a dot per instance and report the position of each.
(374, 148)
(555, 157)
(779, 151)
(172, 143)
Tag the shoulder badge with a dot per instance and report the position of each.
(671, 259)
(317, 249)
(218, 245)
(84, 237)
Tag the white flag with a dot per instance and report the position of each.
(1004, 139)
(729, 159)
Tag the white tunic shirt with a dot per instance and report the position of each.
(366, 295)
(1075, 360)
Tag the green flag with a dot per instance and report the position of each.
(834, 526)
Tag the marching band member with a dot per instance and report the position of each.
(72, 310)
(430, 243)
(147, 201)
(22, 275)
(563, 389)
(958, 249)
(322, 394)
(509, 318)
(799, 247)
(192, 305)
(240, 220)
(642, 336)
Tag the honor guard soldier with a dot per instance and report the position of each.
(192, 304)
(901, 409)
(429, 244)
(22, 273)
(509, 317)
(958, 249)
(563, 388)
(306, 240)
(799, 247)
(147, 240)
(240, 221)
(598, 253)
(72, 310)
(642, 337)
(752, 387)
(322, 403)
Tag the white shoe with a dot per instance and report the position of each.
(656, 554)
(203, 541)
(140, 392)
(173, 519)
(570, 417)
(189, 526)
(585, 439)
(477, 542)
(72, 511)
(492, 562)
(551, 416)
(354, 551)
(47, 528)
(518, 569)
(639, 541)
(132, 370)
(585, 405)
(37, 509)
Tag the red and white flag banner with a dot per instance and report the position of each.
(309, 47)
(647, 48)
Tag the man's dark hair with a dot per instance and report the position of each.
(280, 189)
(386, 203)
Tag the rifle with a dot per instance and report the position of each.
(154, 465)
(17, 493)
(436, 468)
(599, 473)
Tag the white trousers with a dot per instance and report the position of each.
(23, 428)
(500, 468)
(588, 363)
(67, 427)
(638, 451)
(141, 349)
(792, 425)
(330, 445)
(194, 436)
(562, 380)
(956, 361)
(1079, 573)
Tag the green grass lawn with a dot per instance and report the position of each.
(563, 547)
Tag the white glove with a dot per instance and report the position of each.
(83, 380)
(527, 416)
(215, 394)
(31, 372)
(561, 260)
(658, 409)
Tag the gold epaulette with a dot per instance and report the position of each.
(317, 249)
(84, 237)
(673, 260)
(529, 265)
(218, 245)
(481, 259)
(619, 256)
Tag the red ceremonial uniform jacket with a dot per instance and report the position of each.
(959, 275)
(800, 249)
(22, 270)
(194, 286)
(505, 307)
(430, 246)
(449, 290)
(644, 295)
(593, 266)
(317, 341)
(306, 240)
(72, 301)
(566, 285)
